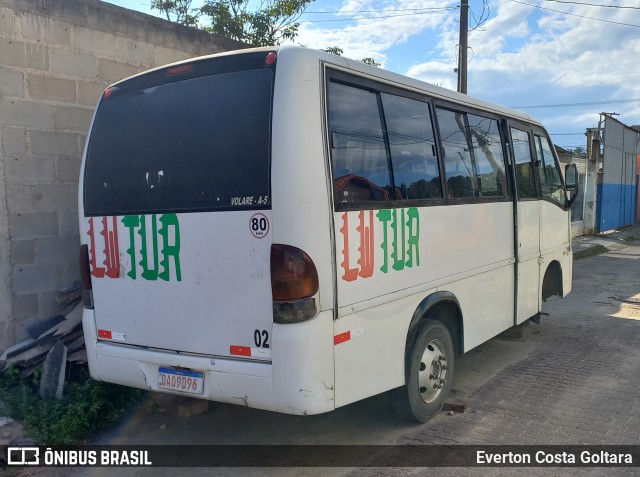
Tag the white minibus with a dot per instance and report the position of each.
(294, 231)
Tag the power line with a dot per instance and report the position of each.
(570, 105)
(567, 134)
(593, 4)
(378, 17)
(574, 14)
(417, 11)
(383, 10)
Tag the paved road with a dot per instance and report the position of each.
(573, 379)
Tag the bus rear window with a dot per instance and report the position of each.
(200, 144)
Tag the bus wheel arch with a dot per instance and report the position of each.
(434, 337)
(552, 281)
(440, 306)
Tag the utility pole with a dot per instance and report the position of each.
(462, 56)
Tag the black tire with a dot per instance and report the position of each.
(431, 365)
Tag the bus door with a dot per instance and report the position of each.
(528, 230)
(554, 231)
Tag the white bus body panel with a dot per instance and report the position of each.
(221, 296)
(464, 249)
(529, 279)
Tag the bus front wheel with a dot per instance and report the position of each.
(430, 374)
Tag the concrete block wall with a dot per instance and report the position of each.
(56, 59)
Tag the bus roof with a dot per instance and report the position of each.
(380, 74)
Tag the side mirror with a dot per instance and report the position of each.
(571, 177)
(571, 182)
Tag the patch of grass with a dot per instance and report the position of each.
(86, 407)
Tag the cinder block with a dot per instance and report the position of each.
(133, 51)
(8, 23)
(11, 83)
(36, 278)
(54, 143)
(33, 224)
(68, 223)
(25, 306)
(44, 29)
(47, 197)
(14, 141)
(112, 71)
(36, 56)
(29, 169)
(54, 249)
(12, 52)
(68, 169)
(73, 63)
(47, 303)
(71, 269)
(89, 93)
(192, 407)
(96, 42)
(51, 88)
(163, 56)
(72, 118)
(22, 113)
(19, 198)
(23, 252)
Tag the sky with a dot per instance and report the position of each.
(544, 57)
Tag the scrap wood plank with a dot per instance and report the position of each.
(36, 353)
(75, 344)
(17, 348)
(53, 373)
(45, 326)
(79, 356)
(29, 356)
(72, 319)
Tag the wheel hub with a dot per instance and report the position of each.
(432, 374)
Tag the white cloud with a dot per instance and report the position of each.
(373, 37)
(520, 56)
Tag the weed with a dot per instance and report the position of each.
(86, 407)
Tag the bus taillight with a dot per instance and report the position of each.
(294, 284)
(85, 275)
(270, 58)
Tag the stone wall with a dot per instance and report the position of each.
(56, 58)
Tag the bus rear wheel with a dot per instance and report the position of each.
(430, 374)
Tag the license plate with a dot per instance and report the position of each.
(182, 380)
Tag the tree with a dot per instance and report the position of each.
(270, 23)
(336, 50)
(579, 151)
(180, 10)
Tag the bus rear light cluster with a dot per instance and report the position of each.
(85, 275)
(294, 284)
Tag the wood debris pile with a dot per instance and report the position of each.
(57, 339)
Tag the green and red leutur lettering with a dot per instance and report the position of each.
(400, 226)
(151, 266)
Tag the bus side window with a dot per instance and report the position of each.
(488, 155)
(458, 164)
(523, 165)
(360, 167)
(549, 171)
(412, 144)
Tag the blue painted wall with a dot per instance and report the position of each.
(616, 205)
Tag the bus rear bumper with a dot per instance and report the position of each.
(246, 383)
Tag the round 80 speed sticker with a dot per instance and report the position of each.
(259, 225)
